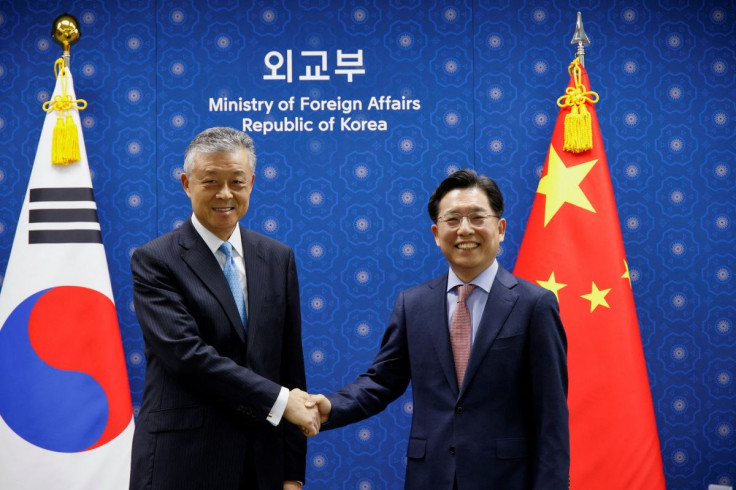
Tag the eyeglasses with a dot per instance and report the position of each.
(476, 220)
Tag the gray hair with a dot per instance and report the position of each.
(217, 139)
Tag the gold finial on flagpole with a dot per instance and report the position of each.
(580, 38)
(65, 32)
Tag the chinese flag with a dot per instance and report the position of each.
(573, 247)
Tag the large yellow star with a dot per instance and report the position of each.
(562, 184)
(597, 297)
(626, 274)
(552, 285)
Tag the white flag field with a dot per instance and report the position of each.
(66, 419)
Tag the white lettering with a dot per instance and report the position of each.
(350, 125)
(388, 103)
(283, 125)
(223, 104)
(346, 106)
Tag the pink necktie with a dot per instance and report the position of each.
(461, 332)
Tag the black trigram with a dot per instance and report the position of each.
(70, 216)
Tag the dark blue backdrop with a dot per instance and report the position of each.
(352, 204)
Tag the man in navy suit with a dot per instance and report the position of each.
(488, 370)
(219, 309)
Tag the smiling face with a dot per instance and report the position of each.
(469, 250)
(219, 187)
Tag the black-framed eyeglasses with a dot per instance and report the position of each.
(476, 220)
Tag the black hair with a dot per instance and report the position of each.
(466, 179)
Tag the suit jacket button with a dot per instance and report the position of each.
(452, 450)
(458, 410)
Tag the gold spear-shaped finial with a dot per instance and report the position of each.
(580, 38)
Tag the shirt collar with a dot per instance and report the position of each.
(484, 280)
(213, 242)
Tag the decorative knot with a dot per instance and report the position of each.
(578, 134)
(65, 142)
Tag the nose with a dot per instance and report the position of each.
(465, 228)
(224, 192)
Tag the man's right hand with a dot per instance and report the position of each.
(297, 412)
(323, 405)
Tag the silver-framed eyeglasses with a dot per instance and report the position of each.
(476, 220)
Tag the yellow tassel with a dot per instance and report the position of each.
(57, 152)
(578, 133)
(65, 141)
(72, 138)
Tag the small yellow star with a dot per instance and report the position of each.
(561, 184)
(597, 297)
(626, 274)
(552, 285)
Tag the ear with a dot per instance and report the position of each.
(501, 229)
(436, 234)
(185, 184)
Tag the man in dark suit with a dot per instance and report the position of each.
(219, 309)
(485, 352)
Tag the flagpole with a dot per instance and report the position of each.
(580, 38)
(65, 32)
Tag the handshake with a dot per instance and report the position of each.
(306, 411)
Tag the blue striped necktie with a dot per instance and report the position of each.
(231, 274)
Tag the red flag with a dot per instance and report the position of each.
(573, 247)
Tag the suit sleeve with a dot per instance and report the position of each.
(295, 446)
(384, 381)
(174, 339)
(548, 364)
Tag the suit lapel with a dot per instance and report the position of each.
(501, 300)
(257, 274)
(434, 307)
(202, 262)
